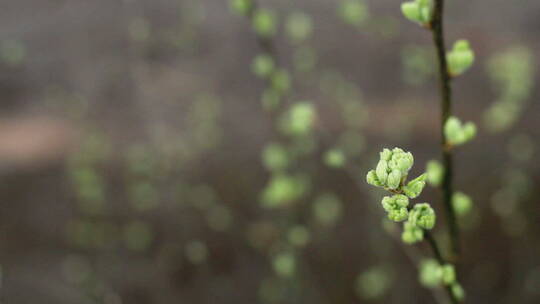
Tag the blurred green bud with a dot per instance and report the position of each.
(435, 172)
(270, 99)
(457, 291)
(422, 215)
(460, 58)
(334, 158)
(396, 206)
(284, 264)
(298, 236)
(469, 131)
(411, 233)
(275, 157)
(353, 12)
(241, 7)
(419, 11)
(373, 283)
(263, 65)
(462, 203)
(327, 209)
(373, 180)
(281, 81)
(415, 187)
(430, 273)
(264, 22)
(298, 27)
(283, 189)
(448, 274)
(299, 119)
(394, 179)
(456, 133)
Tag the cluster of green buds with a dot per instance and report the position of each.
(432, 274)
(460, 58)
(420, 11)
(421, 217)
(391, 174)
(392, 169)
(457, 133)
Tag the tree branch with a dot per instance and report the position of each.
(446, 110)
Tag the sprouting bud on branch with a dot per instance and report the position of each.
(423, 216)
(415, 187)
(265, 22)
(435, 172)
(419, 11)
(462, 203)
(263, 65)
(432, 274)
(458, 134)
(460, 58)
(396, 206)
(241, 7)
(411, 233)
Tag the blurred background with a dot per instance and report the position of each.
(144, 161)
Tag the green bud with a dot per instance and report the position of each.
(299, 119)
(396, 206)
(419, 11)
(448, 274)
(385, 154)
(411, 11)
(270, 99)
(469, 131)
(373, 180)
(264, 23)
(435, 172)
(275, 157)
(457, 291)
(298, 236)
(354, 12)
(430, 273)
(401, 161)
(411, 233)
(283, 189)
(423, 216)
(284, 264)
(298, 27)
(281, 81)
(327, 208)
(334, 158)
(241, 7)
(394, 179)
(460, 58)
(462, 203)
(456, 133)
(392, 168)
(415, 187)
(382, 171)
(263, 66)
